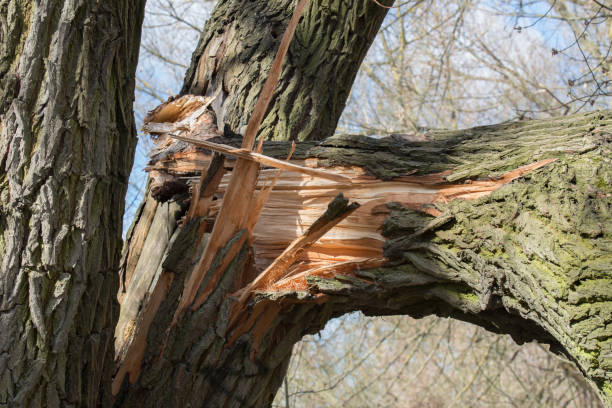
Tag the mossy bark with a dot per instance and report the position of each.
(67, 139)
(531, 260)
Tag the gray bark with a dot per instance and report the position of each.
(67, 139)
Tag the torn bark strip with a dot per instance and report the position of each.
(270, 85)
(260, 158)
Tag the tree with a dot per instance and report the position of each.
(67, 139)
(492, 260)
(404, 84)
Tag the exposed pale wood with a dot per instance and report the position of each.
(176, 113)
(146, 274)
(186, 114)
(337, 211)
(297, 200)
(261, 198)
(138, 236)
(229, 221)
(184, 163)
(138, 331)
(234, 214)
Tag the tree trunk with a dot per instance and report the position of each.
(231, 64)
(67, 139)
(505, 226)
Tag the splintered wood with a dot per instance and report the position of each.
(337, 210)
(297, 201)
(279, 207)
(240, 199)
(294, 215)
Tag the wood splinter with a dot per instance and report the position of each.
(262, 159)
(234, 214)
(336, 211)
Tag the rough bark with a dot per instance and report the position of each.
(530, 258)
(506, 226)
(67, 138)
(230, 65)
(237, 48)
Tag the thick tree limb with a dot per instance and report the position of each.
(481, 244)
(478, 247)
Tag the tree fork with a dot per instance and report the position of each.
(451, 223)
